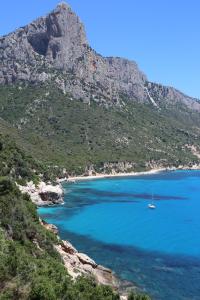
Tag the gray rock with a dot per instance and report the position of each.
(54, 49)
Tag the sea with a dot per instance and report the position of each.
(158, 250)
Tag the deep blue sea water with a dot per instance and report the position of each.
(159, 249)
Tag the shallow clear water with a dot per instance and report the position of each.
(159, 249)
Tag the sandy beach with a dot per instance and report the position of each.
(99, 176)
(152, 171)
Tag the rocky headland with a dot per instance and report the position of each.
(80, 264)
(44, 194)
(76, 263)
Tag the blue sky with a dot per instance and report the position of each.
(163, 37)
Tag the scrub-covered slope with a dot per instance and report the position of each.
(30, 267)
(61, 131)
(81, 111)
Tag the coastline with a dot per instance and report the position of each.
(80, 263)
(149, 172)
(100, 175)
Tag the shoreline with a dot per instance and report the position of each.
(80, 264)
(99, 175)
(129, 174)
(88, 266)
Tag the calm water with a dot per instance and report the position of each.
(159, 249)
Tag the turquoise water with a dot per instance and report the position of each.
(159, 249)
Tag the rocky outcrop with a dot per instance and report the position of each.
(79, 264)
(54, 49)
(119, 167)
(169, 95)
(110, 168)
(49, 227)
(44, 194)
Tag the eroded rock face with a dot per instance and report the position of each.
(44, 194)
(54, 49)
(58, 42)
(79, 264)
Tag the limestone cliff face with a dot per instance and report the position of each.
(54, 48)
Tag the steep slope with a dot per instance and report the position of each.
(30, 266)
(54, 48)
(120, 122)
(61, 131)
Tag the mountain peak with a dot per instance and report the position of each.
(54, 48)
(63, 5)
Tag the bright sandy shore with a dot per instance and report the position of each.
(153, 171)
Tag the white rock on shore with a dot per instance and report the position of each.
(79, 264)
(44, 194)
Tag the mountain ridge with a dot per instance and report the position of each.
(55, 48)
(73, 108)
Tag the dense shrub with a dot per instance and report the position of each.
(135, 296)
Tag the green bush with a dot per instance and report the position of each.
(135, 296)
(41, 288)
(30, 268)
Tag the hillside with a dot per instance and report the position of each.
(30, 266)
(67, 110)
(59, 130)
(73, 108)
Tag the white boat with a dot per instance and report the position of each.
(151, 206)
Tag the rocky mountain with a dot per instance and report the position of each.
(54, 48)
(68, 106)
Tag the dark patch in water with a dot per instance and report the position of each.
(162, 276)
(107, 194)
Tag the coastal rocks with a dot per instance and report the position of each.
(49, 227)
(68, 248)
(44, 194)
(79, 264)
(84, 259)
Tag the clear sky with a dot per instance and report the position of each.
(162, 36)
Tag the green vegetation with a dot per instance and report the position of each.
(30, 267)
(58, 130)
(134, 296)
(43, 131)
(20, 166)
